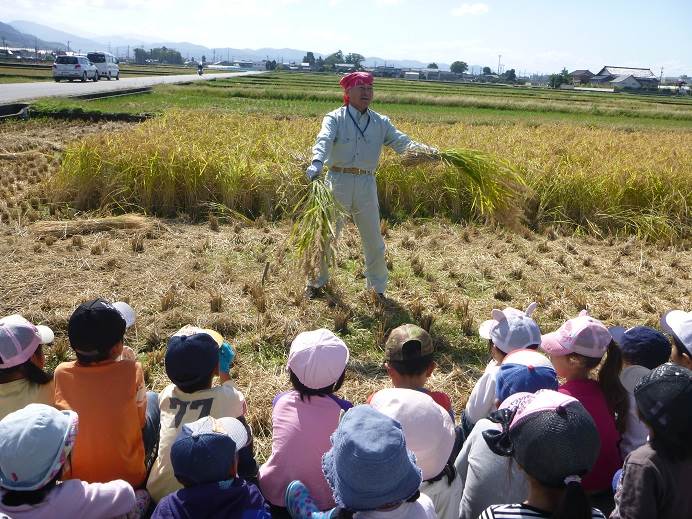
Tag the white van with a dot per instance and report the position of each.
(106, 64)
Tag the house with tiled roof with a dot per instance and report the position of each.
(627, 78)
(581, 77)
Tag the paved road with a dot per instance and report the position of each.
(13, 92)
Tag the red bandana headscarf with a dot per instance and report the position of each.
(355, 79)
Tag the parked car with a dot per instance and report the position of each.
(106, 63)
(74, 67)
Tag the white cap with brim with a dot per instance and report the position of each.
(679, 324)
(127, 312)
(511, 329)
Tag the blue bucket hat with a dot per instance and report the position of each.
(642, 346)
(369, 465)
(34, 445)
(524, 371)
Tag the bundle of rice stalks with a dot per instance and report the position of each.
(495, 184)
(66, 228)
(313, 235)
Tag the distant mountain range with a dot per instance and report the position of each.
(22, 33)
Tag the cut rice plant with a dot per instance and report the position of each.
(494, 184)
(314, 232)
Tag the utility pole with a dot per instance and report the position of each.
(499, 57)
(68, 45)
(660, 79)
(36, 49)
(3, 45)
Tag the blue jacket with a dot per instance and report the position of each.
(232, 499)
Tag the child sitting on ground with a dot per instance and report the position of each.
(576, 349)
(430, 435)
(643, 349)
(193, 357)
(303, 419)
(204, 459)
(410, 361)
(118, 420)
(22, 378)
(508, 330)
(554, 440)
(678, 324)
(488, 479)
(371, 472)
(35, 446)
(656, 477)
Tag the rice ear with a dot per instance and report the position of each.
(495, 184)
(314, 232)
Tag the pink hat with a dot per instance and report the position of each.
(317, 358)
(583, 335)
(355, 79)
(19, 340)
(428, 428)
(526, 404)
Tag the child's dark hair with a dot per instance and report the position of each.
(308, 392)
(680, 347)
(29, 497)
(615, 393)
(609, 381)
(491, 344)
(575, 503)
(411, 367)
(28, 370)
(671, 446)
(344, 513)
(198, 386)
(97, 356)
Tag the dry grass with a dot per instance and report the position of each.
(262, 320)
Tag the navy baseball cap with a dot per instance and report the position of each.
(642, 346)
(205, 450)
(191, 359)
(95, 327)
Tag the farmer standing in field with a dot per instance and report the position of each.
(349, 144)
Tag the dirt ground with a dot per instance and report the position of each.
(240, 279)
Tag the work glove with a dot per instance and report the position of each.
(314, 170)
(226, 356)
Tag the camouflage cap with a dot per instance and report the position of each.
(404, 334)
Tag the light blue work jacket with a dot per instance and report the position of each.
(341, 144)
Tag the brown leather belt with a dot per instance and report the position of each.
(352, 171)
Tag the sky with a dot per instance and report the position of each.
(530, 35)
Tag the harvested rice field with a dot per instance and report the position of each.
(605, 225)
